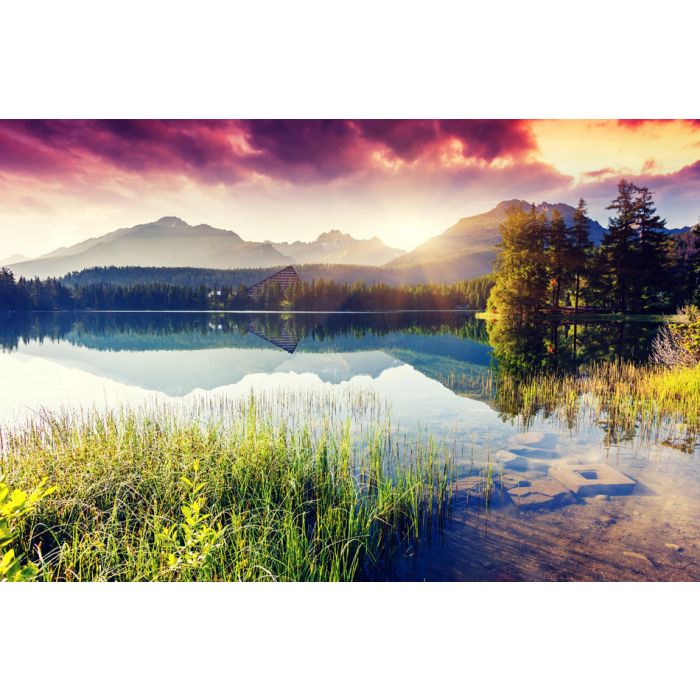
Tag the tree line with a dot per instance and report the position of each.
(218, 278)
(314, 295)
(544, 264)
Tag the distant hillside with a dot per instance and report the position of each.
(468, 249)
(334, 247)
(213, 277)
(171, 242)
(216, 278)
(168, 242)
(679, 231)
(17, 258)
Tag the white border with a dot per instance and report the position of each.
(360, 59)
(349, 640)
(368, 58)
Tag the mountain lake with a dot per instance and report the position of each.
(572, 499)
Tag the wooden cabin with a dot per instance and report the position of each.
(285, 278)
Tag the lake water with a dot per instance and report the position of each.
(432, 371)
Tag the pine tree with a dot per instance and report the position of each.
(654, 251)
(620, 247)
(557, 257)
(580, 249)
(520, 287)
(8, 289)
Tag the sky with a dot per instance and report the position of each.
(284, 180)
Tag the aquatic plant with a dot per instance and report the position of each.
(151, 495)
(15, 507)
(648, 401)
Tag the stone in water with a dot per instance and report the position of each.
(530, 438)
(541, 493)
(592, 479)
(512, 461)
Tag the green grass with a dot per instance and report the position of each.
(647, 401)
(150, 496)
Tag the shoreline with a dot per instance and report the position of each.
(588, 316)
(239, 311)
(478, 313)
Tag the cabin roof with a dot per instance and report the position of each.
(284, 277)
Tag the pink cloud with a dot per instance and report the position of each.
(225, 151)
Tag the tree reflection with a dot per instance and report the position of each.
(525, 349)
(544, 368)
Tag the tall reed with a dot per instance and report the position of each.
(649, 402)
(152, 496)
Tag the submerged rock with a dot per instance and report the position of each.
(592, 479)
(673, 547)
(529, 438)
(537, 453)
(639, 556)
(541, 493)
(511, 480)
(479, 490)
(509, 460)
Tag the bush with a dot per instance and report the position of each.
(678, 344)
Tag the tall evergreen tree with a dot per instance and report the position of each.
(557, 257)
(8, 289)
(654, 251)
(521, 272)
(580, 249)
(620, 247)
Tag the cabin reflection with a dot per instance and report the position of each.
(278, 332)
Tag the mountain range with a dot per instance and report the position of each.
(465, 250)
(171, 242)
(468, 248)
(337, 248)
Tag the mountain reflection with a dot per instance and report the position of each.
(454, 348)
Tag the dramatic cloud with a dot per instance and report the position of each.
(635, 124)
(231, 151)
(204, 150)
(318, 149)
(404, 180)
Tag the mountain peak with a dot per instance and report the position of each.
(171, 221)
(508, 203)
(16, 258)
(337, 248)
(334, 235)
(469, 246)
(559, 206)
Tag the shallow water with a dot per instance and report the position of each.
(431, 370)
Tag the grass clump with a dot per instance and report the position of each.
(147, 496)
(649, 401)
